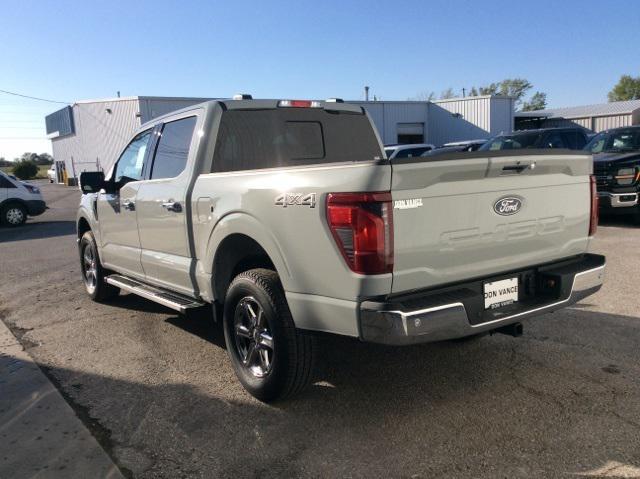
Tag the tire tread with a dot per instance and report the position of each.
(302, 347)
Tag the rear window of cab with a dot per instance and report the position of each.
(256, 139)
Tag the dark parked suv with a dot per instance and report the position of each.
(568, 138)
(616, 155)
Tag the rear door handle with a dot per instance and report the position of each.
(129, 204)
(517, 168)
(172, 206)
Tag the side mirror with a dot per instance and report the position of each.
(91, 181)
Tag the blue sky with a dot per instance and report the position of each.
(575, 51)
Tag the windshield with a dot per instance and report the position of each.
(512, 142)
(615, 141)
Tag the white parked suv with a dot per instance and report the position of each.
(18, 200)
(407, 151)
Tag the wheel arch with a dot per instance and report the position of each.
(240, 242)
(82, 226)
(10, 201)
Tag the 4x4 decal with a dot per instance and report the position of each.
(296, 199)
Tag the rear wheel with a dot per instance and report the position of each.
(93, 273)
(14, 214)
(271, 358)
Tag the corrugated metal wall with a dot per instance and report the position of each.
(502, 115)
(595, 123)
(469, 118)
(387, 115)
(602, 123)
(100, 135)
(444, 120)
(60, 122)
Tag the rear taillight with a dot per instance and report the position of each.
(593, 220)
(362, 226)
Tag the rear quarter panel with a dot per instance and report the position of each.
(296, 237)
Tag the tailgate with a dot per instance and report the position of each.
(483, 213)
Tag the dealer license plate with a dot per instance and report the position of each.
(500, 293)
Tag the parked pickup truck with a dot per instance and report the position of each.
(616, 154)
(287, 217)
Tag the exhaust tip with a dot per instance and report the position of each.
(515, 330)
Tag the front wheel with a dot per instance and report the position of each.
(92, 271)
(14, 214)
(271, 358)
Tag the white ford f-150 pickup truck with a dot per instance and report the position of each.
(287, 217)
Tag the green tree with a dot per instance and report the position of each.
(25, 169)
(45, 159)
(538, 101)
(515, 87)
(491, 89)
(448, 93)
(627, 88)
(423, 96)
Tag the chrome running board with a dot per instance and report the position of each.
(166, 298)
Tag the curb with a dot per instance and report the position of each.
(40, 435)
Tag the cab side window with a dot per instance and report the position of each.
(172, 152)
(131, 161)
(575, 139)
(5, 183)
(554, 140)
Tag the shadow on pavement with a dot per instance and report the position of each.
(621, 221)
(550, 404)
(39, 230)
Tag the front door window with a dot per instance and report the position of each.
(129, 167)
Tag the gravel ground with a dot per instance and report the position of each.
(158, 392)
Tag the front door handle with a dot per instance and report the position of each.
(172, 206)
(129, 204)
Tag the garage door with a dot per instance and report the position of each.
(410, 133)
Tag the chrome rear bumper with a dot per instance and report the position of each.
(395, 325)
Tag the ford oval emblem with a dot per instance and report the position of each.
(508, 205)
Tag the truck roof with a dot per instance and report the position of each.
(263, 104)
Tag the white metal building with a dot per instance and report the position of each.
(441, 121)
(88, 135)
(597, 118)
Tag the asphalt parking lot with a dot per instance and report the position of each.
(158, 392)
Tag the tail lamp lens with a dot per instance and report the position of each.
(593, 220)
(362, 226)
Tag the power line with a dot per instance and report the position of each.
(24, 138)
(20, 121)
(34, 97)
